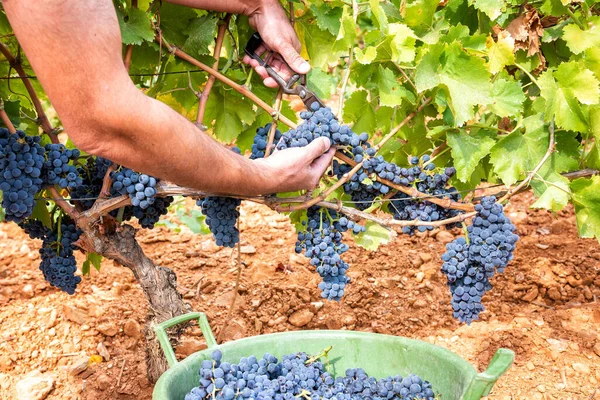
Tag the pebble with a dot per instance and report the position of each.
(132, 328)
(426, 257)
(583, 368)
(597, 348)
(28, 290)
(319, 304)
(301, 317)
(79, 365)
(444, 237)
(248, 249)
(35, 386)
(420, 276)
(190, 346)
(103, 351)
(103, 382)
(75, 314)
(541, 388)
(52, 320)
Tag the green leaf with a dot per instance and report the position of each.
(501, 52)
(373, 237)
(379, 15)
(391, 92)
(580, 81)
(230, 112)
(418, 14)
(297, 217)
(468, 150)
(553, 192)
(492, 8)
(328, 18)
(507, 98)
(322, 83)
(136, 27)
(358, 109)
(347, 33)
(315, 43)
(366, 55)
(13, 109)
(561, 102)
(403, 41)
(2, 212)
(465, 77)
(41, 213)
(94, 259)
(201, 34)
(578, 40)
(516, 154)
(174, 20)
(586, 197)
(195, 221)
(553, 7)
(592, 60)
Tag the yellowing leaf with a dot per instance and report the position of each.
(95, 359)
(579, 40)
(365, 56)
(500, 53)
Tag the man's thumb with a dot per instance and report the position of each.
(294, 60)
(318, 147)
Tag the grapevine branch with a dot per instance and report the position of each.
(237, 87)
(129, 49)
(7, 122)
(526, 181)
(345, 82)
(42, 118)
(62, 203)
(211, 80)
(273, 128)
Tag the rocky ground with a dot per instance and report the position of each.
(89, 346)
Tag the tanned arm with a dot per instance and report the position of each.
(75, 49)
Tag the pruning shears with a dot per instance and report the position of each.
(297, 83)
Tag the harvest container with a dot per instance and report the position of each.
(452, 377)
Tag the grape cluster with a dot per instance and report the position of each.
(321, 242)
(150, 216)
(58, 168)
(221, 217)
(298, 376)
(261, 140)
(92, 174)
(21, 162)
(58, 262)
(469, 265)
(140, 187)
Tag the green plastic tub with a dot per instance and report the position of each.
(452, 377)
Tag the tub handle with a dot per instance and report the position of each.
(482, 383)
(163, 338)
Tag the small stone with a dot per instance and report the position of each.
(209, 246)
(79, 365)
(317, 305)
(190, 346)
(554, 293)
(573, 281)
(444, 237)
(542, 246)
(5, 363)
(103, 382)
(416, 261)
(248, 249)
(108, 329)
(103, 351)
(531, 294)
(28, 290)
(420, 303)
(426, 257)
(541, 388)
(4, 381)
(301, 317)
(597, 348)
(420, 276)
(52, 320)
(132, 328)
(35, 386)
(583, 368)
(75, 314)
(530, 366)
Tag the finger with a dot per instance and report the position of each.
(320, 164)
(270, 82)
(317, 147)
(261, 71)
(294, 60)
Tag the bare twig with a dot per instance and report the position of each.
(237, 87)
(120, 374)
(7, 122)
(42, 118)
(107, 182)
(235, 289)
(345, 82)
(62, 203)
(526, 181)
(127, 59)
(273, 128)
(211, 80)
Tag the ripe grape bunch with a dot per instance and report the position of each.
(261, 139)
(57, 168)
(92, 175)
(298, 376)
(140, 187)
(21, 162)
(58, 262)
(469, 264)
(322, 244)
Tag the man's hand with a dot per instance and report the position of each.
(278, 35)
(297, 168)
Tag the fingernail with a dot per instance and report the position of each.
(305, 66)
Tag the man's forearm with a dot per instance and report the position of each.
(245, 7)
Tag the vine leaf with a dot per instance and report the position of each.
(467, 150)
(322, 83)
(501, 52)
(578, 40)
(136, 27)
(402, 43)
(553, 7)
(194, 220)
(465, 77)
(94, 259)
(174, 20)
(230, 112)
(373, 237)
(553, 192)
(365, 56)
(592, 60)
(586, 197)
(492, 8)
(391, 92)
(328, 18)
(358, 109)
(379, 15)
(201, 34)
(419, 14)
(507, 98)
(347, 33)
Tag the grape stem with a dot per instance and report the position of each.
(236, 288)
(345, 82)
(211, 80)
(237, 87)
(107, 182)
(67, 208)
(527, 181)
(37, 104)
(273, 128)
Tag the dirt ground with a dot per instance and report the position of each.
(544, 306)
